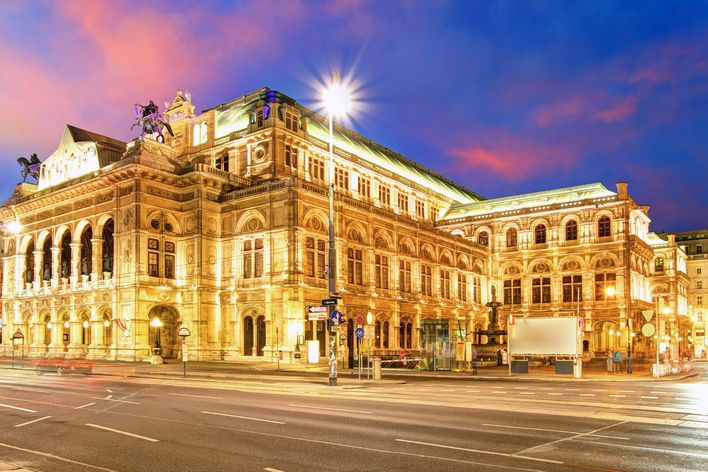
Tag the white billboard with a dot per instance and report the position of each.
(544, 336)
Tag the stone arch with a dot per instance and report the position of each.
(383, 240)
(446, 257)
(605, 336)
(59, 234)
(571, 264)
(251, 221)
(316, 220)
(463, 262)
(382, 329)
(458, 232)
(541, 266)
(427, 252)
(164, 337)
(478, 266)
(604, 260)
(41, 237)
(407, 246)
(79, 229)
(356, 233)
(24, 242)
(102, 220)
(511, 268)
(253, 334)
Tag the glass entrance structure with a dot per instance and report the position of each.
(435, 348)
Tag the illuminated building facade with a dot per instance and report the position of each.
(223, 229)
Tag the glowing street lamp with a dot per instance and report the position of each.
(337, 100)
(156, 323)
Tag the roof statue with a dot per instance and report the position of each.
(151, 121)
(30, 167)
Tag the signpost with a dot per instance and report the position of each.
(317, 312)
(183, 332)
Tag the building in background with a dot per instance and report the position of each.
(223, 229)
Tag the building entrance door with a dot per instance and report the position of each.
(435, 351)
(248, 336)
(261, 335)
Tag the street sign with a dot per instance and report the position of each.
(359, 320)
(581, 323)
(336, 317)
(648, 315)
(369, 332)
(329, 301)
(184, 332)
(317, 312)
(648, 330)
(359, 332)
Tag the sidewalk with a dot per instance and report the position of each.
(270, 371)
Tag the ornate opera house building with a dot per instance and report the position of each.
(223, 229)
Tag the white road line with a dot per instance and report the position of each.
(195, 396)
(268, 469)
(472, 391)
(499, 391)
(16, 408)
(628, 391)
(242, 417)
(651, 398)
(113, 400)
(84, 406)
(55, 457)
(587, 394)
(109, 390)
(556, 394)
(145, 438)
(332, 409)
(527, 393)
(478, 451)
(447, 390)
(570, 438)
(618, 396)
(33, 421)
(551, 430)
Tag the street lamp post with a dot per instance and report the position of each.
(337, 102)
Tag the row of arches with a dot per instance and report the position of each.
(540, 232)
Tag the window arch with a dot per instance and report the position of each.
(29, 263)
(107, 246)
(47, 259)
(406, 333)
(540, 234)
(603, 227)
(65, 256)
(483, 238)
(571, 231)
(86, 251)
(659, 264)
(511, 238)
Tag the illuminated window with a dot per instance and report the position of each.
(444, 283)
(341, 178)
(419, 209)
(404, 276)
(315, 256)
(354, 266)
(364, 187)
(603, 227)
(253, 258)
(317, 169)
(385, 195)
(291, 154)
(540, 234)
(153, 258)
(604, 286)
(571, 231)
(434, 213)
(659, 264)
(199, 134)
(462, 287)
(426, 280)
(483, 238)
(477, 290)
(511, 238)
(572, 288)
(381, 269)
(169, 260)
(512, 292)
(541, 290)
(403, 202)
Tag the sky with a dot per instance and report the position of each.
(504, 97)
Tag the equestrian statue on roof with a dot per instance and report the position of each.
(30, 167)
(151, 121)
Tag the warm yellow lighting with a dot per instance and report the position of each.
(66, 324)
(665, 310)
(369, 318)
(15, 227)
(618, 333)
(612, 331)
(155, 322)
(610, 291)
(336, 97)
(106, 323)
(633, 334)
(49, 325)
(85, 324)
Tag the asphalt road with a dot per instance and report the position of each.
(270, 423)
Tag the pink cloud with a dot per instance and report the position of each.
(619, 110)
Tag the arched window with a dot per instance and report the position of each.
(384, 340)
(603, 227)
(47, 259)
(659, 264)
(571, 231)
(29, 263)
(406, 334)
(540, 234)
(377, 333)
(107, 246)
(483, 238)
(511, 238)
(65, 256)
(86, 251)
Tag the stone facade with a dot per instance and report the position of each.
(223, 229)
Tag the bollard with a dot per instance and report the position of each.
(377, 368)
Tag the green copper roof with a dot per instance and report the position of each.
(655, 240)
(529, 200)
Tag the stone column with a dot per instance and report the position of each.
(75, 263)
(96, 257)
(56, 254)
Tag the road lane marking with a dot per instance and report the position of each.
(545, 445)
(618, 396)
(83, 406)
(114, 400)
(332, 409)
(649, 397)
(195, 396)
(2, 405)
(268, 469)
(628, 391)
(447, 390)
(479, 451)
(33, 421)
(587, 394)
(145, 438)
(472, 391)
(527, 393)
(55, 457)
(556, 394)
(551, 430)
(242, 417)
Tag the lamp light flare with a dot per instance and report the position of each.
(337, 97)
(15, 227)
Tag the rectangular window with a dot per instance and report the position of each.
(404, 278)
(291, 156)
(341, 178)
(434, 213)
(259, 118)
(462, 287)
(699, 300)
(699, 271)
(385, 195)
(512, 292)
(403, 202)
(169, 246)
(699, 284)
(153, 264)
(169, 266)
(381, 271)
(426, 280)
(317, 169)
(604, 285)
(315, 258)
(354, 266)
(199, 133)
(153, 244)
(572, 288)
(258, 259)
(222, 162)
(364, 187)
(291, 121)
(444, 283)
(541, 290)
(477, 290)
(699, 248)
(419, 209)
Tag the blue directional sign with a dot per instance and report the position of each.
(336, 317)
(359, 332)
